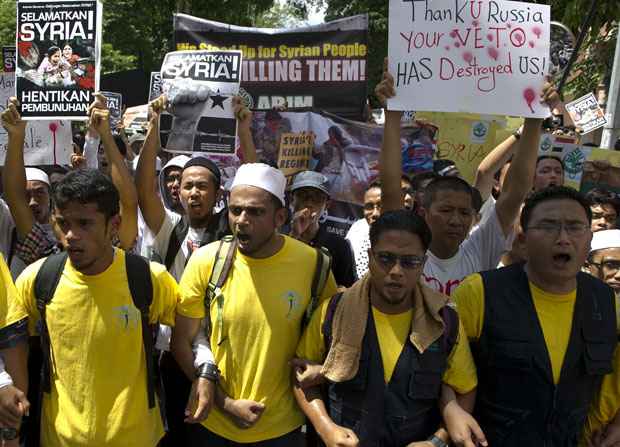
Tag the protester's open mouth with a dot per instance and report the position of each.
(243, 238)
(393, 286)
(74, 251)
(561, 258)
(195, 205)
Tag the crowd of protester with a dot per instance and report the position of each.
(146, 305)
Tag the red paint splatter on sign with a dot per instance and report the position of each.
(529, 95)
(493, 53)
(447, 47)
(490, 37)
(467, 56)
(537, 32)
(531, 43)
(453, 33)
(457, 45)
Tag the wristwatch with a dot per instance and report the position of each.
(437, 442)
(8, 433)
(208, 370)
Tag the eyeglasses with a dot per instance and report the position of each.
(388, 260)
(610, 265)
(554, 228)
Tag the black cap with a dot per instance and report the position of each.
(200, 160)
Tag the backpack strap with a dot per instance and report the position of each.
(321, 275)
(141, 289)
(224, 258)
(174, 243)
(45, 284)
(329, 318)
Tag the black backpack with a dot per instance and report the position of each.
(141, 288)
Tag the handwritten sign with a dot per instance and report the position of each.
(469, 56)
(295, 152)
(46, 142)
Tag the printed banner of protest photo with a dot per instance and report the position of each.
(58, 56)
(8, 59)
(460, 56)
(586, 113)
(200, 86)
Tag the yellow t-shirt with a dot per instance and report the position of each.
(98, 384)
(607, 402)
(8, 298)
(264, 302)
(555, 314)
(461, 370)
(392, 333)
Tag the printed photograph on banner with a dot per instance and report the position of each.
(200, 86)
(155, 86)
(135, 119)
(586, 113)
(58, 56)
(8, 59)
(312, 66)
(115, 105)
(486, 57)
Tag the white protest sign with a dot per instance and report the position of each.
(46, 143)
(483, 56)
(586, 113)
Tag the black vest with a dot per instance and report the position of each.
(406, 409)
(517, 402)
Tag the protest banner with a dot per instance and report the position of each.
(8, 59)
(320, 66)
(155, 86)
(586, 113)
(46, 142)
(483, 57)
(59, 47)
(115, 105)
(200, 86)
(295, 153)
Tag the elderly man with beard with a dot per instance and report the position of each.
(543, 333)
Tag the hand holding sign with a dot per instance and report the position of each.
(385, 89)
(99, 115)
(242, 113)
(12, 120)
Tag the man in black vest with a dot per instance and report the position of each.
(388, 346)
(543, 333)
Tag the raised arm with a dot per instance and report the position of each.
(146, 175)
(493, 162)
(390, 161)
(244, 121)
(14, 185)
(520, 175)
(100, 122)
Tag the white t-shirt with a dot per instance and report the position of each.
(481, 251)
(358, 237)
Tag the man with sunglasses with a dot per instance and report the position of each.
(392, 349)
(543, 333)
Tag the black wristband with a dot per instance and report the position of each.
(208, 371)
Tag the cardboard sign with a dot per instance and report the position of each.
(586, 113)
(295, 153)
(59, 48)
(469, 56)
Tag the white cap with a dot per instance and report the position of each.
(134, 163)
(262, 176)
(605, 239)
(35, 174)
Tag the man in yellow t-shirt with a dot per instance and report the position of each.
(13, 402)
(542, 333)
(98, 387)
(385, 379)
(603, 423)
(256, 320)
